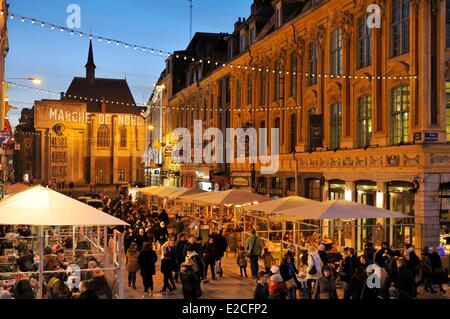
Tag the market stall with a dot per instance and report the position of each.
(48, 211)
(345, 231)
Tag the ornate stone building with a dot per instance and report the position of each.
(94, 134)
(361, 111)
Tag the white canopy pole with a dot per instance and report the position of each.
(121, 269)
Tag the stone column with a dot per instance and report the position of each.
(426, 212)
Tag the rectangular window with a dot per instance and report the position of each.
(102, 176)
(252, 35)
(262, 89)
(364, 43)
(335, 125)
(364, 120)
(243, 42)
(249, 89)
(121, 175)
(399, 27)
(276, 86)
(400, 114)
(336, 52)
(238, 93)
(313, 53)
(294, 65)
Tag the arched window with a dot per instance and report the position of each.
(123, 136)
(103, 136)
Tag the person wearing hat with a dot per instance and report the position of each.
(189, 280)
(275, 270)
(277, 287)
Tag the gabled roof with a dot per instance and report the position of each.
(113, 90)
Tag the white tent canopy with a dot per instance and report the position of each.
(340, 209)
(166, 191)
(280, 204)
(149, 190)
(185, 192)
(232, 197)
(39, 206)
(193, 199)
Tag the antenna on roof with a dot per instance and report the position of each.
(190, 19)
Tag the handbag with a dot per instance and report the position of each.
(313, 270)
(290, 284)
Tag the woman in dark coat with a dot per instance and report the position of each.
(325, 288)
(167, 268)
(147, 259)
(440, 275)
(287, 273)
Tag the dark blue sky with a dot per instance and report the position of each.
(57, 57)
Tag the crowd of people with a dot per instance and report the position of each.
(189, 262)
(375, 274)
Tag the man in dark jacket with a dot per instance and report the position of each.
(404, 281)
(147, 259)
(164, 217)
(221, 245)
(179, 253)
(141, 238)
(346, 271)
(198, 267)
(261, 291)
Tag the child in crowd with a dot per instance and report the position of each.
(268, 259)
(303, 286)
(242, 261)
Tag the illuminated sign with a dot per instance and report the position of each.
(88, 118)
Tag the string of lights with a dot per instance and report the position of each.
(166, 108)
(165, 53)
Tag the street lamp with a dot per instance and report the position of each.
(35, 80)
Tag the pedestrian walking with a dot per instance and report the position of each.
(179, 252)
(440, 274)
(189, 280)
(426, 271)
(167, 268)
(147, 260)
(209, 258)
(198, 267)
(267, 259)
(132, 264)
(313, 269)
(221, 245)
(254, 246)
(242, 261)
(288, 275)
